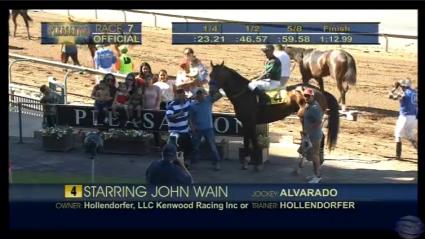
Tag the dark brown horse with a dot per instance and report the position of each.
(249, 113)
(25, 16)
(338, 64)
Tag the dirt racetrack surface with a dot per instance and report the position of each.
(370, 138)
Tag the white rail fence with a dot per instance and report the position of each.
(70, 68)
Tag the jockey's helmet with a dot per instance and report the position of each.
(268, 47)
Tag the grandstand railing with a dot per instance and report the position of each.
(70, 68)
(24, 106)
(29, 106)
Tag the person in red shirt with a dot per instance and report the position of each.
(121, 100)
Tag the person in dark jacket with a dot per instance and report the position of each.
(170, 170)
(93, 143)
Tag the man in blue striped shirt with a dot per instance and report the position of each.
(177, 113)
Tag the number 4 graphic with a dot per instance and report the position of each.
(74, 191)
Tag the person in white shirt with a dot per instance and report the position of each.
(285, 62)
(168, 88)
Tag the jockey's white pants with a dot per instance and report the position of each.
(406, 127)
(283, 81)
(265, 84)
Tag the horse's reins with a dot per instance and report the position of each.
(240, 93)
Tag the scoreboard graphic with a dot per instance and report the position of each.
(275, 33)
(73, 191)
(91, 33)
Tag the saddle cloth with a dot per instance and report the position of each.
(277, 96)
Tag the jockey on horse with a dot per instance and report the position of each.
(269, 79)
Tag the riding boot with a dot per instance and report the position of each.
(398, 151)
(263, 98)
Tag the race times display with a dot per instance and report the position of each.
(275, 33)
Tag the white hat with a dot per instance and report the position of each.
(405, 83)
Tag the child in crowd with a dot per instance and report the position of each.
(102, 102)
(121, 99)
(168, 88)
(135, 104)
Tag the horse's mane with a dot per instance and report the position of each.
(306, 51)
(236, 75)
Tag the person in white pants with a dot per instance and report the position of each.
(269, 79)
(407, 122)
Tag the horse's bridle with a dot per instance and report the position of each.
(234, 96)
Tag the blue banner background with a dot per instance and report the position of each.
(368, 215)
(238, 192)
(378, 207)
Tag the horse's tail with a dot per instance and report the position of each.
(25, 15)
(333, 120)
(351, 74)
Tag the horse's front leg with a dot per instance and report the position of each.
(306, 76)
(245, 155)
(15, 24)
(305, 79)
(28, 28)
(342, 92)
(256, 152)
(321, 86)
(343, 107)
